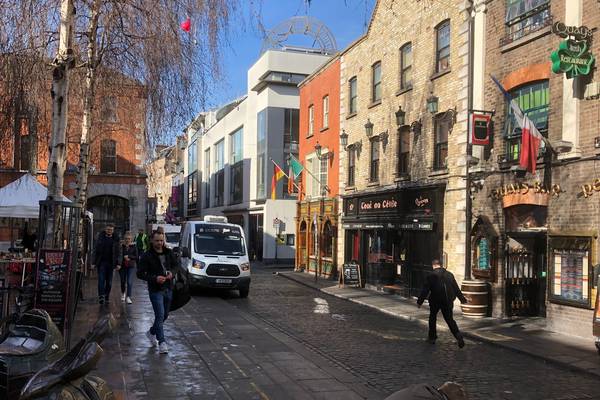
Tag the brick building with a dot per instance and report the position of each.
(317, 210)
(403, 105)
(535, 236)
(117, 182)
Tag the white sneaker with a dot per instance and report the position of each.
(123, 297)
(153, 341)
(162, 348)
(129, 301)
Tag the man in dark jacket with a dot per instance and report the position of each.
(107, 256)
(441, 289)
(157, 267)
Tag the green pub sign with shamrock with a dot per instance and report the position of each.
(572, 57)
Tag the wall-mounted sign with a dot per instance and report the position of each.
(524, 189)
(480, 129)
(417, 226)
(52, 285)
(588, 189)
(572, 56)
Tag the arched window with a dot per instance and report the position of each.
(312, 240)
(108, 156)
(328, 240)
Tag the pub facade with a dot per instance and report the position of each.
(534, 236)
(403, 144)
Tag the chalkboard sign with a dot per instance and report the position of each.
(52, 284)
(350, 274)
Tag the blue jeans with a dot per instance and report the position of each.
(126, 275)
(105, 277)
(161, 304)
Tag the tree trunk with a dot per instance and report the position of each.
(88, 107)
(60, 93)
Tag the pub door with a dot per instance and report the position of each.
(525, 274)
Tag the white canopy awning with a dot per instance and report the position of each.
(21, 198)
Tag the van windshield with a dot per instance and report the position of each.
(172, 237)
(215, 239)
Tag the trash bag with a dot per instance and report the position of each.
(181, 290)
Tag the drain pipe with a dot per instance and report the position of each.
(468, 203)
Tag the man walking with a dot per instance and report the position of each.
(441, 289)
(106, 258)
(157, 267)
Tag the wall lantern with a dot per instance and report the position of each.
(344, 139)
(432, 104)
(318, 150)
(369, 128)
(400, 117)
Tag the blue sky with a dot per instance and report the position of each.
(345, 18)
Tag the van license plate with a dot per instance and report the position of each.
(223, 280)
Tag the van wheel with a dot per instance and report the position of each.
(244, 293)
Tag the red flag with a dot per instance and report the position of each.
(531, 138)
(186, 25)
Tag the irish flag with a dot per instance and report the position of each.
(531, 138)
(277, 175)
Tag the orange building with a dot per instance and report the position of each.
(317, 208)
(117, 190)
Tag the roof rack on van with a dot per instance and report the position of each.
(215, 218)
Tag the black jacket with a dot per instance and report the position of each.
(441, 289)
(132, 252)
(150, 267)
(107, 248)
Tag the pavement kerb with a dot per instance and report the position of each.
(466, 333)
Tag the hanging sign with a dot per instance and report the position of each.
(573, 57)
(480, 129)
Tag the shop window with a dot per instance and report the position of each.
(302, 241)
(533, 100)
(312, 240)
(325, 112)
(374, 164)
(484, 250)
(570, 270)
(108, 155)
(442, 127)
(406, 66)
(351, 166)
(376, 82)
(403, 151)
(192, 191)
(442, 55)
(524, 17)
(353, 97)
(328, 235)
(311, 120)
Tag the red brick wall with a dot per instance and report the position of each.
(325, 82)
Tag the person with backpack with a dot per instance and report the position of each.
(441, 290)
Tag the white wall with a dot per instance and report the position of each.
(285, 211)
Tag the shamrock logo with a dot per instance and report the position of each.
(572, 58)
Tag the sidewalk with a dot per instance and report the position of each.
(522, 335)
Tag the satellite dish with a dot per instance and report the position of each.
(323, 40)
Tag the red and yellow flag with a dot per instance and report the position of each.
(277, 175)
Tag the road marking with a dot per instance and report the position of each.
(235, 364)
(322, 307)
(260, 392)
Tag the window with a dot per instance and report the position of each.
(25, 152)
(108, 155)
(311, 120)
(318, 180)
(534, 102)
(570, 270)
(261, 146)
(323, 175)
(442, 56)
(236, 179)
(353, 95)
(524, 17)
(193, 191)
(325, 111)
(192, 157)
(376, 80)
(351, 166)
(206, 173)
(442, 127)
(108, 109)
(403, 151)
(291, 131)
(374, 165)
(406, 66)
(219, 173)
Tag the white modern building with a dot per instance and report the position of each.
(231, 152)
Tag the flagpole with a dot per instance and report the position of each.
(283, 172)
(314, 177)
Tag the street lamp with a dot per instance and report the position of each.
(432, 104)
(344, 139)
(318, 150)
(400, 117)
(369, 128)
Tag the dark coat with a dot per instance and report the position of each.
(441, 289)
(150, 267)
(107, 249)
(417, 392)
(132, 252)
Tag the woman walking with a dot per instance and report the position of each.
(128, 264)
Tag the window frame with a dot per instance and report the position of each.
(376, 85)
(206, 173)
(351, 176)
(104, 156)
(374, 163)
(404, 68)
(325, 112)
(219, 194)
(311, 120)
(438, 50)
(440, 146)
(556, 250)
(403, 167)
(352, 95)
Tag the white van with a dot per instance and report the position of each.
(215, 254)
(172, 234)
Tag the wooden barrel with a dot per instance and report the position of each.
(476, 293)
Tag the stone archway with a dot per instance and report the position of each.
(110, 209)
